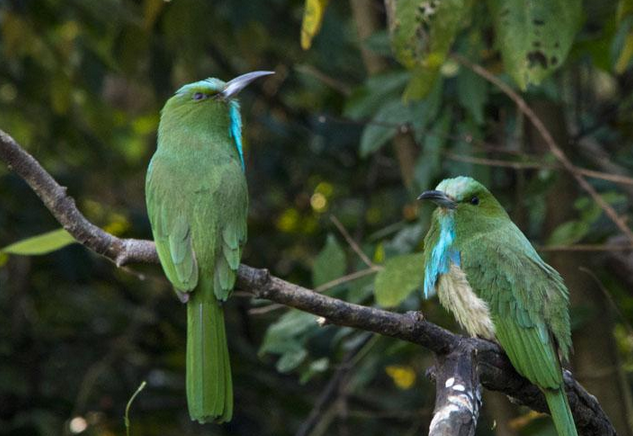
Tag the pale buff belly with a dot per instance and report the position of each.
(470, 311)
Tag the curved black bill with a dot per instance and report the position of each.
(233, 87)
(438, 197)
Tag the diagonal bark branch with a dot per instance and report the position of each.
(493, 367)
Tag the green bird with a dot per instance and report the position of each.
(489, 276)
(197, 201)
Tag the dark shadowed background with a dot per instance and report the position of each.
(331, 148)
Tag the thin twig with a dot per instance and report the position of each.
(333, 389)
(609, 298)
(586, 247)
(351, 242)
(558, 153)
(348, 278)
(126, 418)
(624, 180)
(266, 309)
(483, 145)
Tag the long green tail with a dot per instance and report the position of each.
(560, 411)
(209, 385)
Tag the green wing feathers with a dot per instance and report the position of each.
(519, 287)
(528, 303)
(199, 226)
(530, 351)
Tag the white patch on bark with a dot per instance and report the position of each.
(449, 382)
(444, 414)
(455, 404)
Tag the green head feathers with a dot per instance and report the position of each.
(208, 105)
(467, 201)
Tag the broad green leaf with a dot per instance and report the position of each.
(291, 359)
(395, 113)
(367, 100)
(625, 55)
(472, 93)
(401, 276)
(383, 127)
(422, 33)
(573, 231)
(330, 264)
(41, 244)
(312, 21)
(569, 233)
(428, 164)
(284, 335)
(316, 367)
(534, 36)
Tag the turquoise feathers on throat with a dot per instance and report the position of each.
(235, 129)
(442, 255)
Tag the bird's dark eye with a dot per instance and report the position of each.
(474, 201)
(199, 96)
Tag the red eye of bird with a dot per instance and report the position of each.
(199, 96)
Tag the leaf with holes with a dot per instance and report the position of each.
(401, 276)
(40, 244)
(422, 33)
(534, 37)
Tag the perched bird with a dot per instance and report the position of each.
(489, 276)
(197, 202)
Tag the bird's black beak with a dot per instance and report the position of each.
(234, 87)
(438, 197)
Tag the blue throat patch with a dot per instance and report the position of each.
(442, 254)
(235, 130)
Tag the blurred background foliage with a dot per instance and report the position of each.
(339, 143)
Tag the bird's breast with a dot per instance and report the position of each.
(457, 296)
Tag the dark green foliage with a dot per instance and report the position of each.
(81, 86)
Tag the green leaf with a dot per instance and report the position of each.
(429, 162)
(367, 100)
(573, 231)
(330, 264)
(383, 127)
(395, 113)
(472, 93)
(312, 21)
(291, 359)
(534, 36)
(284, 335)
(400, 276)
(316, 367)
(422, 33)
(41, 244)
(568, 233)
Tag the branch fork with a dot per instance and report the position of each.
(455, 368)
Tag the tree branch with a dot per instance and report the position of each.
(493, 367)
(457, 392)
